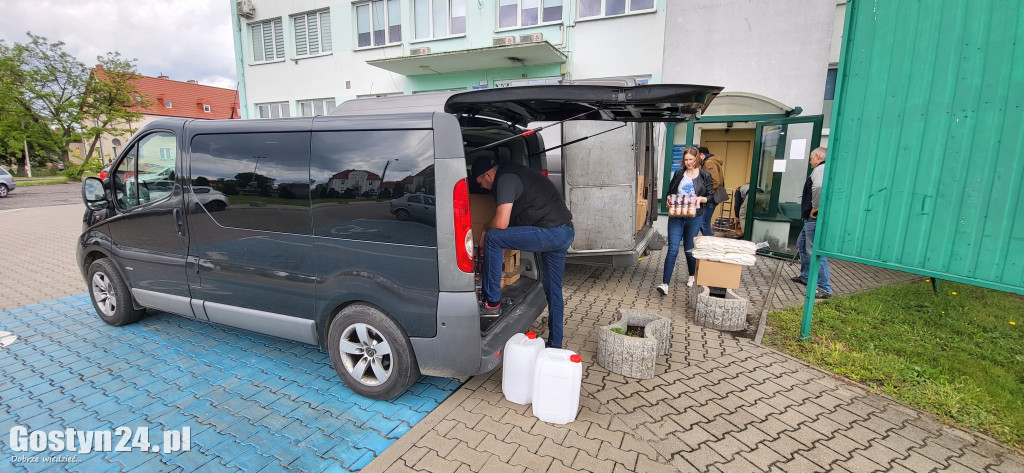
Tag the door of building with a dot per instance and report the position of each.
(778, 171)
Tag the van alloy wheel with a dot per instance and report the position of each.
(110, 294)
(366, 354)
(371, 352)
(104, 294)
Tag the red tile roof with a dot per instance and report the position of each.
(344, 175)
(187, 99)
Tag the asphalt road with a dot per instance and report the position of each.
(25, 197)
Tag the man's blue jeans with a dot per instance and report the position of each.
(709, 213)
(680, 228)
(804, 247)
(551, 246)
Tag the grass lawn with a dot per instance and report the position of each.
(42, 181)
(958, 354)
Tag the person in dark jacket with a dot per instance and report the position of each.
(716, 168)
(809, 212)
(530, 216)
(689, 180)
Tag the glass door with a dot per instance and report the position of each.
(778, 172)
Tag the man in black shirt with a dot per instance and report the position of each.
(530, 216)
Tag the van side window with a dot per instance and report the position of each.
(263, 177)
(146, 174)
(381, 178)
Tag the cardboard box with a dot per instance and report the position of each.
(510, 263)
(482, 207)
(715, 274)
(641, 214)
(640, 188)
(509, 279)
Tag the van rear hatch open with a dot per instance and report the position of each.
(552, 103)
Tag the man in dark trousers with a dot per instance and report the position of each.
(716, 167)
(530, 216)
(809, 211)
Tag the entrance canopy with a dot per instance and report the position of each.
(492, 57)
(745, 103)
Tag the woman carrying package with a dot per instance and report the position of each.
(689, 189)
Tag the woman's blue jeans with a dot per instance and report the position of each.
(685, 229)
(551, 246)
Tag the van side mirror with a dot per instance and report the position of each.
(93, 194)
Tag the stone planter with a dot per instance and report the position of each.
(728, 314)
(634, 357)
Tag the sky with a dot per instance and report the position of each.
(182, 39)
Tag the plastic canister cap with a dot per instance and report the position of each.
(576, 359)
(531, 335)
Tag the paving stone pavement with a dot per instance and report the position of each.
(719, 402)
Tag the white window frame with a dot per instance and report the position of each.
(432, 34)
(540, 14)
(168, 104)
(389, 39)
(321, 36)
(276, 37)
(316, 106)
(206, 108)
(273, 110)
(604, 5)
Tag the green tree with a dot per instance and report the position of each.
(20, 126)
(72, 100)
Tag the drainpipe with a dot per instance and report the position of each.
(243, 107)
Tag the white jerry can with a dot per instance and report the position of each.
(517, 368)
(556, 385)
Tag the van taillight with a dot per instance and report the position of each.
(463, 227)
(544, 172)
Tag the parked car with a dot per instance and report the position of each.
(388, 300)
(414, 206)
(210, 198)
(104, 171)
(6, 182)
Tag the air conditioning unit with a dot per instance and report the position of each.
(531, 38)
(504, 40)
(419, 51)
(245, 8)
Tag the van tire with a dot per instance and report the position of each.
(111, 296)
(361, 329)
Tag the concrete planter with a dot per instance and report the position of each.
(634, 357)
(728, 314)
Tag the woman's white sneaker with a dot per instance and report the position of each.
(663, 289)
(689, 281)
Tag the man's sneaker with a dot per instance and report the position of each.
(689, 281)
(819, 294)
(663, 289)
(798, 279)
(487, 309)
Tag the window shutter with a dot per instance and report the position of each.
(278, 39)
(300, 36)
(314, 35)
(325, 31)
(257, 42)
(268, 41)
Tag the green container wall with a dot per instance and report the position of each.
(926, 167)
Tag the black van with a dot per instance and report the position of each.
(289, 228)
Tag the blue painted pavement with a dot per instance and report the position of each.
(251, 403)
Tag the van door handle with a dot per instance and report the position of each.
(178, 222)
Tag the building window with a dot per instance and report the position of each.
(206, 108)
(830, 95)
(312, 33)
(273, 110)
(167, 103)
(314, 107)
(593, 8)
(267, 41)
(378, 23)
(516, 13)
(439, 18)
